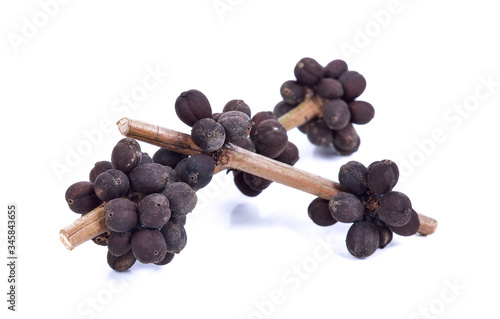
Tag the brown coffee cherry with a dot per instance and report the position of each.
(270, 138)
(255, 182)
(182, 198)
(119, 243)
(385, 233)
(149, 178)
(146, 159)
(154, 210)
(121, 263)
(192, 106)
(395, 209)
(290, 154)
(180, 218)
(362, 239)
(135, 197)
(121, 215)
(336, 114)
(410, 228)
(346, 207)
(308, 71)
(353, 178)
(361, 112)
(168, 258)
(259, 118)
(319, 212)
(99, 167)
(102, 239)
(282, 108)
(175, 236)
(319, 133)
(242, 186)
(198, 171)
(334, 69)
(216, 116)
(353, 84)
(111, 184)
(382, 176)
(148, 245)
(237, 105)
(236, 124)
(329, 89)
(208, 135)
(81, 197)
(292, 92)
(346, 140)
(167, 158)
(247, 144)
(126, 155)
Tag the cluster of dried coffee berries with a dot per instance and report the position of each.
(262, 134)
(338, 88)
(145, 203)
(368, 201)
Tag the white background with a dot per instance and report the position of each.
(65, 78)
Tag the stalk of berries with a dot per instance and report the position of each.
(368, 201)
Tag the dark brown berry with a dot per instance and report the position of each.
(336, 114)
(361, 112)
(146, 159)
(167, 158)
(353, 178)
(111, 184)
(208, 135)
(102, 239)
(175, 236)
(346, 208)
(126, 155)
(395, 209)
(346, 140)
(149, 178)
(81, 197)
(121, 263)
(192, 106)
(154, 210)
(148, 245)
(168, 258)
(292, 92)
(121, 215)
(237, 105)
(362, 239)
(119, 243)
(329, 89)
(255, 182)
(308, 71)
(385, 233)
(99, 167)
(334, 69)
(410, 228)
(290, 154)
(198, 171)
(319, 212)
(382, 176)
(247, 144)
(182, 198)
(259, 118)
(236, 124)
(319, 133)
(282, 108)
(353, 84)
(270, 138)
(242, 186)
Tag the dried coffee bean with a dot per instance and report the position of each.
(282, 108)
(126, 155)
(319, 212)
(255, 182)
(208, 135)
(236, 124)
(334, 69)
(99, 167)
(247, 144)
(329, 89)
(192, 106)
(353, 178)
(148, 245)
(346, 140)
(319, 133)
(149, 178)
(121, 263)
(242, 186)
(102, 239)
(154, 210)
(292, 92)
(167, 158)
(353, 84)
(168, 258)
(410, 228)
(198, 171)
(361, 112)
(362, 239)
(135, 197)
(119, 243)
(336, 114)
(385, 233)
(180, 218)
(179, 168)
(111, 184)
(346, 208)
(81, 197)
(121, 215)
(182, 198)
(290, 154)
(146, 159)
(270, 138)
(237, 105)
(382, 176)
(216, 116)
(308, 71)
(259, 118)
(175, 236)
(395, 209)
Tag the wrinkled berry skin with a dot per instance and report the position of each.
(236, 124)
(99, 167)
(149, 178)
(126, 155)
(121, 215)
(111, 184)
(362, 239)
(198, 171)
(382, 176)
(308, 71)
(81, 197)
(270, 138)
(237, 105)
(208, 135)
(292, 92)
(191, 106)
(182, 198)
(353, 178)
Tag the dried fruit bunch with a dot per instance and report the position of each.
(145, 204)
(262, 133)
(368, 201)
(338, 88)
